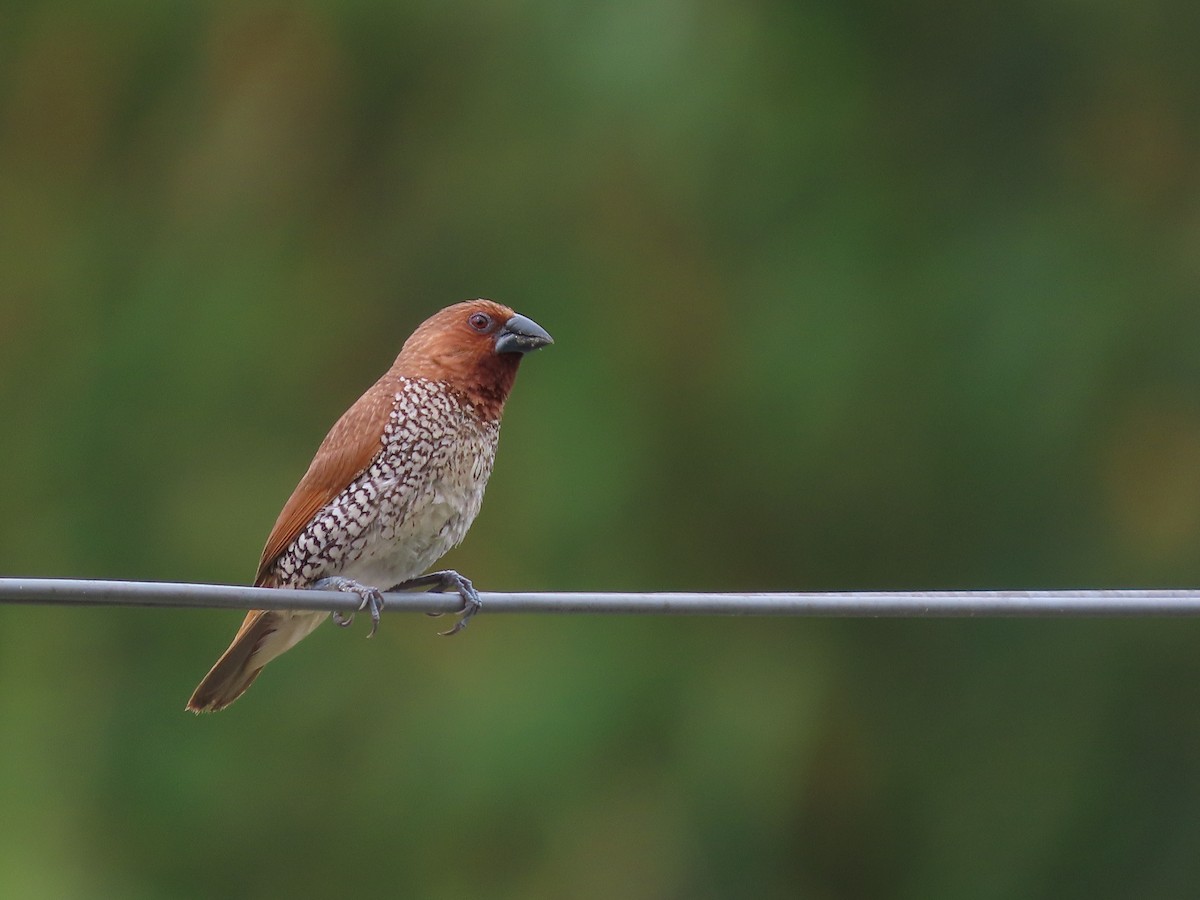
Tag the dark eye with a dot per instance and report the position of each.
(480, 322)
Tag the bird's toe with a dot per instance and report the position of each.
(471, 602)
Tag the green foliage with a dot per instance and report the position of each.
(845, 296)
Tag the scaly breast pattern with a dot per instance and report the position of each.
(413, 503)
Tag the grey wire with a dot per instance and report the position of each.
(894, 604)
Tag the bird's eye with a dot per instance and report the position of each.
(480, 322)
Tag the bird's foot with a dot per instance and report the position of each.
(448, 580)
(372, 599)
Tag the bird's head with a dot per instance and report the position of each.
(475, 347)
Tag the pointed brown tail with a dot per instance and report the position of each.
(235, 670)
(216, 693)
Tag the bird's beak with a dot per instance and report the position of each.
(520, 335)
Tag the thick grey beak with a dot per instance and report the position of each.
(520, 335)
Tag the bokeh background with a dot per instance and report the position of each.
(846, 295)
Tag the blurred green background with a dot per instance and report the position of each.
(846, 295)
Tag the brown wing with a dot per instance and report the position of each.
(347, 450)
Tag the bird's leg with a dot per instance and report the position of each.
(371, 598)
(448, 580)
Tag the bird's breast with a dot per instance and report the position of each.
(413, 503)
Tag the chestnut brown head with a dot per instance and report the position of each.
(475, 347)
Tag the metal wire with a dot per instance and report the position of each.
(892, 604)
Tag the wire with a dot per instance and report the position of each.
(898, 604)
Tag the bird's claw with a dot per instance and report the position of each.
(449, 580)
(470, 598)
(372, 600)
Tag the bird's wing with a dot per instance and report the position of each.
(349, 448)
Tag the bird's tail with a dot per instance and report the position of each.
(236, 669)
(263, 636)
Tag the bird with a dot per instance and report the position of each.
(395, 484)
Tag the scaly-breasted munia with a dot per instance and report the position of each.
(394, 485)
